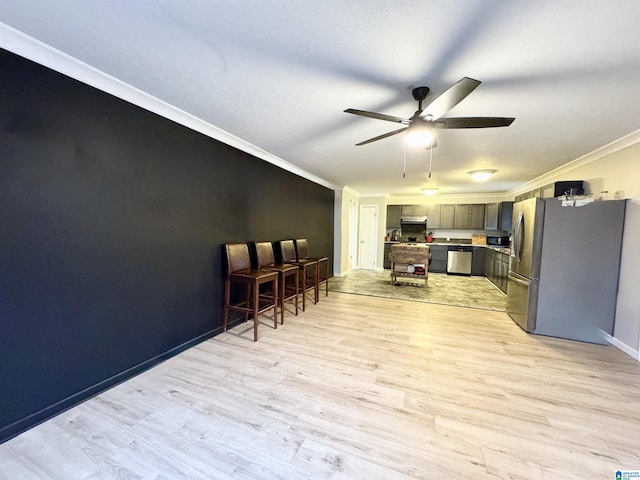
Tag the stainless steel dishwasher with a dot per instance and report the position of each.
(459, 260)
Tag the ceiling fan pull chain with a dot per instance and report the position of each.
(404, 162)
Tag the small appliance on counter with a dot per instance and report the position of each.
(500, 241)
(395, 236)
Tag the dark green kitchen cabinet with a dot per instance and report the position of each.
(386, 263)
(414, 210)
(498, 216)
(393, 216)
(497, 268)
(478, 260)
(438, 258)
(476, 216)
(433, 216)
(447, 215)
(461, 216)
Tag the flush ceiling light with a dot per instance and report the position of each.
(481, 175)
(430, 191)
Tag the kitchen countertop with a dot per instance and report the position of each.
(497, 248)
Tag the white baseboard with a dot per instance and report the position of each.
(632, 352)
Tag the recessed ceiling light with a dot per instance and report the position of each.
(481, 175)
(430, 191)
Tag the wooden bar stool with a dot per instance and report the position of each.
(239, 271)
(308, 269)
(287, 290)
(322, 272)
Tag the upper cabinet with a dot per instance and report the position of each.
(491, 216)
(393, 216)
(469, 216)
(547, 191)
(447, 215)
(414, 210)
(476, 216)
(505, 215)
(498, 216)
(433, 216)
(461, 216)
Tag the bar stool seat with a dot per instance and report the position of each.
(287, 290)
(308, 269)
(322, 271)
(239, 271)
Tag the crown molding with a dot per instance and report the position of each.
(39, 52)
(348, 189)
(598, 154)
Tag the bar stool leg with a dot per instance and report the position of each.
(255, 312)
(274, 284)
(297, 279)
(281, 297)
(304, 288)
(227, 289)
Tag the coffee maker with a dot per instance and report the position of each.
(395, 236)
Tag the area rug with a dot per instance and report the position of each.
(461, 291)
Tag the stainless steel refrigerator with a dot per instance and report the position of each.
(564, 266)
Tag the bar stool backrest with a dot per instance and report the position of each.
(264, 251)
(288, 251)
(302, 248)
(237, 257)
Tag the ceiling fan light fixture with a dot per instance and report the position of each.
(419, 135)
(482, 175)
(429, 191)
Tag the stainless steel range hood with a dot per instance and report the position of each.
(413, 219)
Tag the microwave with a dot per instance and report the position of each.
(499, 241)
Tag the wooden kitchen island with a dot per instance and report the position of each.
(409, 261)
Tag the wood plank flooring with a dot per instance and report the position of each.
(356, 387)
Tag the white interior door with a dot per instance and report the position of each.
(353, 236)
(367, 237)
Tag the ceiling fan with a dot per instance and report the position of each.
(428, 118)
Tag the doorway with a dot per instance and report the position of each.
(368, 250)
(353, 236)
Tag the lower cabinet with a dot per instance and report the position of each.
(497, 268)
(438, 258)
(386, 263)
(478, 261)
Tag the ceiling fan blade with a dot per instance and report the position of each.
(378, 116)
(380, 137)
(473, 122)
(450, 98)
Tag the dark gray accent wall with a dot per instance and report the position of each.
(112, 221)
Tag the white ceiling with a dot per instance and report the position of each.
(279, 73)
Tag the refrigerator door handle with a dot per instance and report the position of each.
(517, 240)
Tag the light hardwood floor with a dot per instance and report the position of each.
(356, 387)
